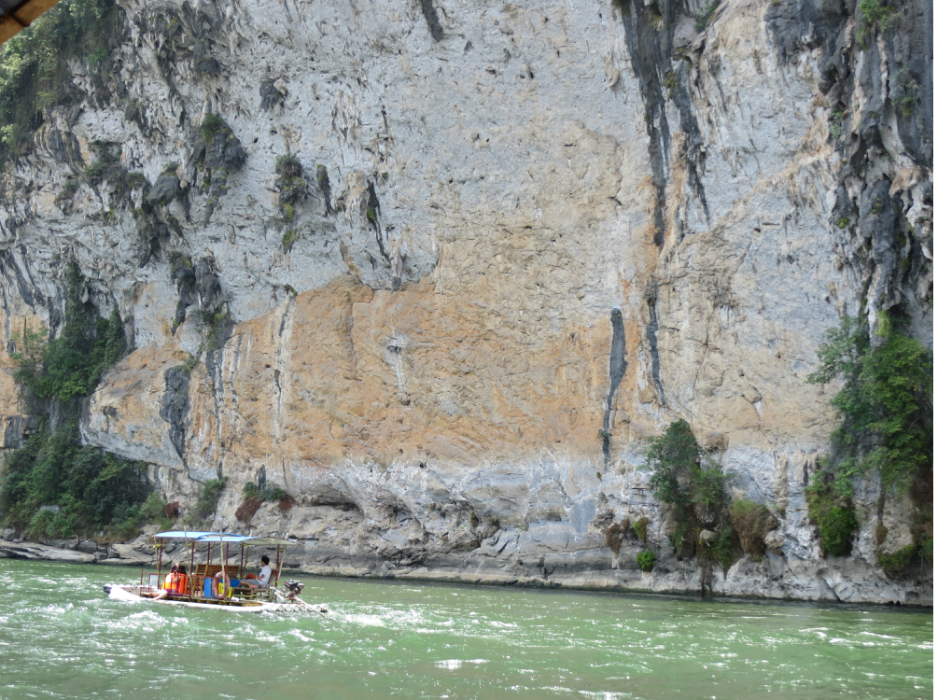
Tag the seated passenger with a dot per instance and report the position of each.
(222, 585)
(261, 581)
(169, 584)
(181, 585)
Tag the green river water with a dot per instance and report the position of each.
(61, 637)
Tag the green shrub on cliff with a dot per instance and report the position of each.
(752, 522)
(85, 489)
(834, 518)
(207, 501)
(646, 560)
(71, 364)
(251, 490)
(34, 70)
(696, 496)
(91, 489)
(884, 404)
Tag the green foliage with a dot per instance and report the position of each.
(371, 215)
(93, 489)
(721, 550)
(189, 364)
(288, 240)
(884, 404)
(207, 501)
(153, 508)
(908, 93)
(752, 522)
(68, 190)
(94, 171)
(897, 562)
(837, 123)
(843, 222)
(622, 6)
(673, 455)
(288, 212)
(214, 321)
(34, 65)
(704, 17)
(641, 528)
(178, 262)
(694, 492)
(646, 560)
(275, 494)
(211, 126)
(680, 479)
(671, 82)
(874, 15)
(251, 490)
(834, 518)
(288, 166)
(604, 435)
(71, 364)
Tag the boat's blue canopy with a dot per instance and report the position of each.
(184, 535)
(223, 537)
(226, 537)
(267, 541)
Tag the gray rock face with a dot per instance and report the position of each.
(165, 190)
(515, 242)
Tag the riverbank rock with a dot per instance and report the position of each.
(41, 552)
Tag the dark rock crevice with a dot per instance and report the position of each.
(651, 334)
(649, 33)
(175, 407)
(618, 366)
(431, 17)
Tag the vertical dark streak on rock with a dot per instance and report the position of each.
(431, 16)
(617, 370)
(693, 143)
(12, 271)
(175, 407)
(651, 333)
(285, 317)
(650, 51)
(372, 215)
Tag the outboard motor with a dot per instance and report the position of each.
(294, 587)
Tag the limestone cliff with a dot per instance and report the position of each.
(439, 268)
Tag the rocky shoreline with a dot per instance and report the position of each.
(747, 579)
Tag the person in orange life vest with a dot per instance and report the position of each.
(181, 580)
(170, 583)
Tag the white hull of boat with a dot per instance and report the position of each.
(130, 594)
